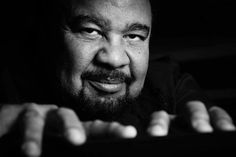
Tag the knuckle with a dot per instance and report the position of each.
(195, 104)
(221, 122)
(217, 111)
(31, 110)
(53, 106)
(30, 106)
(160, 114)
(163, 113)
(30, 115)
(6, 109)
(200, 116)
(160, 117)
(98, 122)
(113, 125)
(32, 135)
(65, 111)
(214, 108)
(98, 125)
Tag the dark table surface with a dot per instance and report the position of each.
(189, 144)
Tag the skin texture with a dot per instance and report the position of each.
(91, 47)
(111, 38)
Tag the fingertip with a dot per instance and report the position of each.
(31, 149)
(129, 132)
(202, 126)
(225, 125)
(221, 119)
(76, 137)
(157, 130)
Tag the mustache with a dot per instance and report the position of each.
(107, 76)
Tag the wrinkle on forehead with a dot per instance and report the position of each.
(120, 3)
(83, 6)
(124, 3)
(116, 3)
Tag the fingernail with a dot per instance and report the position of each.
(226, 126)
(129, 132)
(203, 126)
(76, 137)
(157, 130)
(31, 149)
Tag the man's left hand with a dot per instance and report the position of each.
(197, 116)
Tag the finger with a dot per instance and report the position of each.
(221, 119)
(159, 124)
(199, 117)
(99, 128)
(8, 116)
(72, 127)
(34, 121)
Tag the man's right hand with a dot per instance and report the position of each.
(36, 120)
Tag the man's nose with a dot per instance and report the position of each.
(113, 54)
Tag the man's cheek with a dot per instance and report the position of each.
(139, 79)
(135, 89)
(71, 82)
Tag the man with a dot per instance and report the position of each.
(104, 84)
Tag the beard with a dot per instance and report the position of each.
(104, 107)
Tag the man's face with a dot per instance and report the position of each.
(107, 51)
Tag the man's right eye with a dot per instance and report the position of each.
(90, 33)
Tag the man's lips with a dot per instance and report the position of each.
(107, 81)
(107, 86)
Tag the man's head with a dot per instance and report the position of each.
(106, 51)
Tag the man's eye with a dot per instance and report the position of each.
(135, 37)
(90, 32)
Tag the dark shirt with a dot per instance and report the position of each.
(166, 88)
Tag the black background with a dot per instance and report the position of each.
(199, 34)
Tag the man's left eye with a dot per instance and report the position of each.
(135, 37)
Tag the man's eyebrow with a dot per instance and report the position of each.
(137, 27)
(82, 19)
(105, 24)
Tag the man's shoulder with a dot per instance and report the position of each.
(162, 69)
(160, 82)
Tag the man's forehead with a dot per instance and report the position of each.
(74, 4)
(124, 9)
(115, 2)
(140, 8)
(124, 3)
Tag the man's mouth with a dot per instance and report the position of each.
(107, 87)
(107, 82)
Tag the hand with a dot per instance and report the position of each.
(34, 118)
(198, 118)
